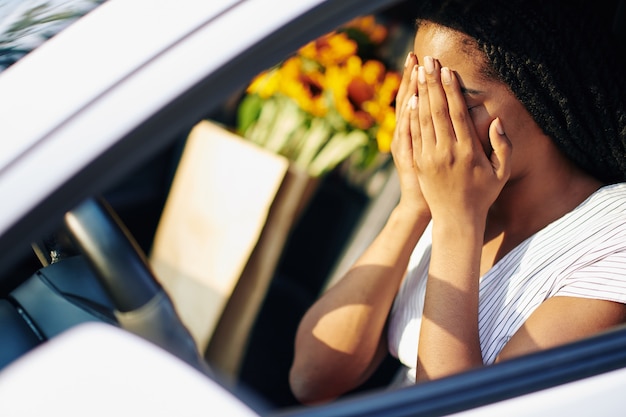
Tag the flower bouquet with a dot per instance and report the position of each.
(330, 102)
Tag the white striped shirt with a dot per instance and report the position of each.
(582, 254)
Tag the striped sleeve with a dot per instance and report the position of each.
(604, 279)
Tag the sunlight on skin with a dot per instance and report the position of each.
(347, 342)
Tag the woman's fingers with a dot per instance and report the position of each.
(502, 149)
(401, 145)
(461, 123)
(434, 124)
(422, 125)
(407, 84)
(414, 125)
(438, 119)
(454, 170)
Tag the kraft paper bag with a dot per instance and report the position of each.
(217, 208)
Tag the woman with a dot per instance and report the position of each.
(510, 233)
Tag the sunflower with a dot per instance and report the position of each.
(343, 104)
(331, 49)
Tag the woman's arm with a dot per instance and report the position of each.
(340, 340)
(459, 183)
(560, 320)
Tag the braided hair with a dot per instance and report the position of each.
(563, 66)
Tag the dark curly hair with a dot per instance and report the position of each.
(561, 62)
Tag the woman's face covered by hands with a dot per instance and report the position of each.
(461, 134)
(485, 97)
(457, 127)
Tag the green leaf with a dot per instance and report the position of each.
(248, 112)
(336, 150)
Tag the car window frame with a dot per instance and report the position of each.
(483, 386)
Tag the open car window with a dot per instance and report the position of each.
(137, 186)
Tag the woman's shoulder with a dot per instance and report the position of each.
(593, 229)
(607, 204)
(612, 190)
(597, 226)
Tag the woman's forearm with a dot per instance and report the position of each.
(449, 340)
(338, 342)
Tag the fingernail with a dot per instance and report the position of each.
(421, 75)
(445, 75)
(499, 127)
(429, 64)
(413, 102)
(408, 59)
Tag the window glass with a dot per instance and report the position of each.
(26, 24)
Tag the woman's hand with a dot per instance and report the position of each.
(402, 144)
(458, 180)
(460, 183)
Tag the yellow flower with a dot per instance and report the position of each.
(383, 100)
(342, 107)
(350, 91)
(305, 87)
(367, 24)
(332, 49)
(265, 84)
(363, 92)
(384, 136)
